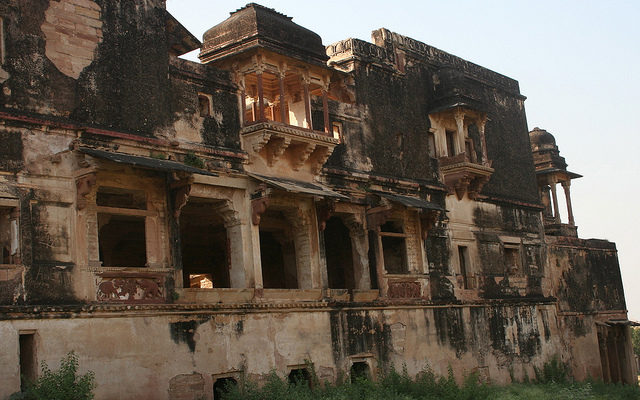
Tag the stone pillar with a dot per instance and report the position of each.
(459, 116)
(325, 111)
(283, 109)
(566, 185)
(360, 252)
(483, 141)
(546, 201)
(307, 100)
(260, 95)
(554, 195)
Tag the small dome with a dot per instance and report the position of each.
(254, 26)
(540, 138)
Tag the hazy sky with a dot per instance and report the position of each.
(577, 62)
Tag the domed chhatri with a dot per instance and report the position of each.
(255, 26)
(541, 139)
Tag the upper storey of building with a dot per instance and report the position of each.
(256, 27)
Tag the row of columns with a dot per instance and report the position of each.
(554, 212)
(459, 118)
(306, 98)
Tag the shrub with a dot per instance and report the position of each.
(553, 371)
(64, 383)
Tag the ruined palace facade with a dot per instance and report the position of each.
(358, 206)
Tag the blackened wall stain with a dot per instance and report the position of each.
(593, 281)
(356, 332)
(47, 279)
(514, 331)
(11, 149)
(450, 328)
(184, 331)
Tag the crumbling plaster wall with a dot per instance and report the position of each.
(254, 343)
(106, 63)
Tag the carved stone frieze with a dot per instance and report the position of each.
(404, 290)
(130, 288)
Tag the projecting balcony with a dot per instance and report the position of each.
(463, 175)
(275, 145)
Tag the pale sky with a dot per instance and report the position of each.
(577, 62)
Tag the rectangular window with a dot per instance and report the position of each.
(512, 259)
(9, 235)
(204, 105)
(336, 129)
(122, 227)
(394, 247)
(28, 362)
(470, 150)
(451, 147)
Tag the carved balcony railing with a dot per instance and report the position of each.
(463, 175)
(277, 143)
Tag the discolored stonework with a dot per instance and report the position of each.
(359, 206)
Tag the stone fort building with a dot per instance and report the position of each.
(280, 204)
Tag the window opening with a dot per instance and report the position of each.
(450, 138)
(9, 235)
(277, 252)
(431, 138)
(300, 376)
(122, 227)
(204, 245)
(223, 386)
(394, 247)
(360, 370)
(204, 105)
(463, 257)
(339, 254)
(122, 240)
(336, 129)
(512, 259)
(28, 363)
(470, 150)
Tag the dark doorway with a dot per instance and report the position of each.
(204, 245)
(300, 376)
(277, 252)
(28, 363)
(223, 386)
(360, 370)
(612, 342)
(339, 255)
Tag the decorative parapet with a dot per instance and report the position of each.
(391, 40)
(350, 49)
(275, 143)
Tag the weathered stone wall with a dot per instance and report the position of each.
(497, 341)
(587, 274)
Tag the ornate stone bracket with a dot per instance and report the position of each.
(378, 216)
(276, 148)
(465, 177)
(324, 211)
(427, 220)
(259, 203)
(303, 155)
(181, 192)
(229, 215)
(84, 185)
(319, 156)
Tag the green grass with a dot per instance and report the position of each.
(427, 386)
